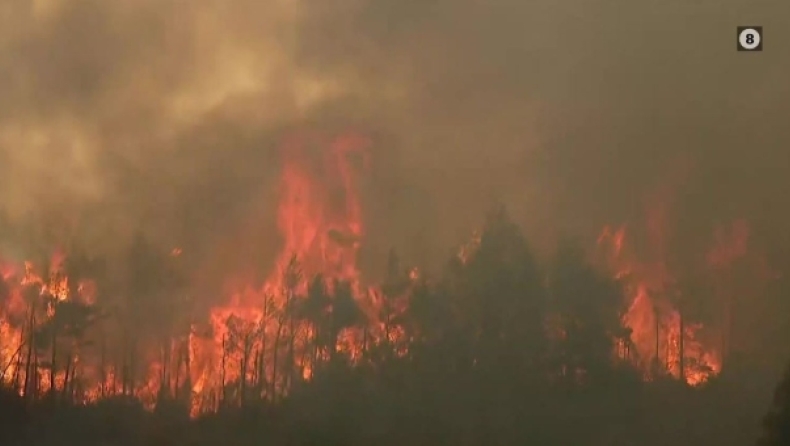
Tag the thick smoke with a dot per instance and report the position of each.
(165, 115)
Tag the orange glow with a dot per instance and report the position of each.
(312, 307)
(320, 220)
(261, 338)
(28, 307)
(654, 304)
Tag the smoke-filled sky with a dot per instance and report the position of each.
(165, 114)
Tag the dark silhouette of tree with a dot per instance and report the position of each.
(286, 318)
(776, 424)
(496, 344)
(314, 309)
(345, 313)
(428, 317)
(393, 295)
(502, 298)
(589, 307)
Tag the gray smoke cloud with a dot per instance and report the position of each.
(165, 115)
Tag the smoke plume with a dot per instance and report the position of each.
(165, 116)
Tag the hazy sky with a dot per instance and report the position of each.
(155, 112)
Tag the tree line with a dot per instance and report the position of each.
(497, 350)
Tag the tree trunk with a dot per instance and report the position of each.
(66, 376)
(19, 355)
(291, 341)
(53, 370)
(103, 367)
(30, 350)
(125, 365)
(179, 361)
(222, 372)
(261, 363)
(658, 336)
(36, 379)
(187, 369)
(681, 352)
(275, 353)
(256, 373)
(247, 344)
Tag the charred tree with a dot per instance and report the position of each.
(30, 370)
(291, 280)
(276, 355)
(262, 379)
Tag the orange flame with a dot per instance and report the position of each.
(320, 220)
(665, 340)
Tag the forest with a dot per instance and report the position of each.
(498, 349)
(393, 222)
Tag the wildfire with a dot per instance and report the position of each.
(320, 220)
(313, 309)
(40, 308)
(665, 338)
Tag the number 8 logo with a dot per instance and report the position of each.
(749, 38)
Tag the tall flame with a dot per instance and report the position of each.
(320, 216)
(666, 340)
(320, 220)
